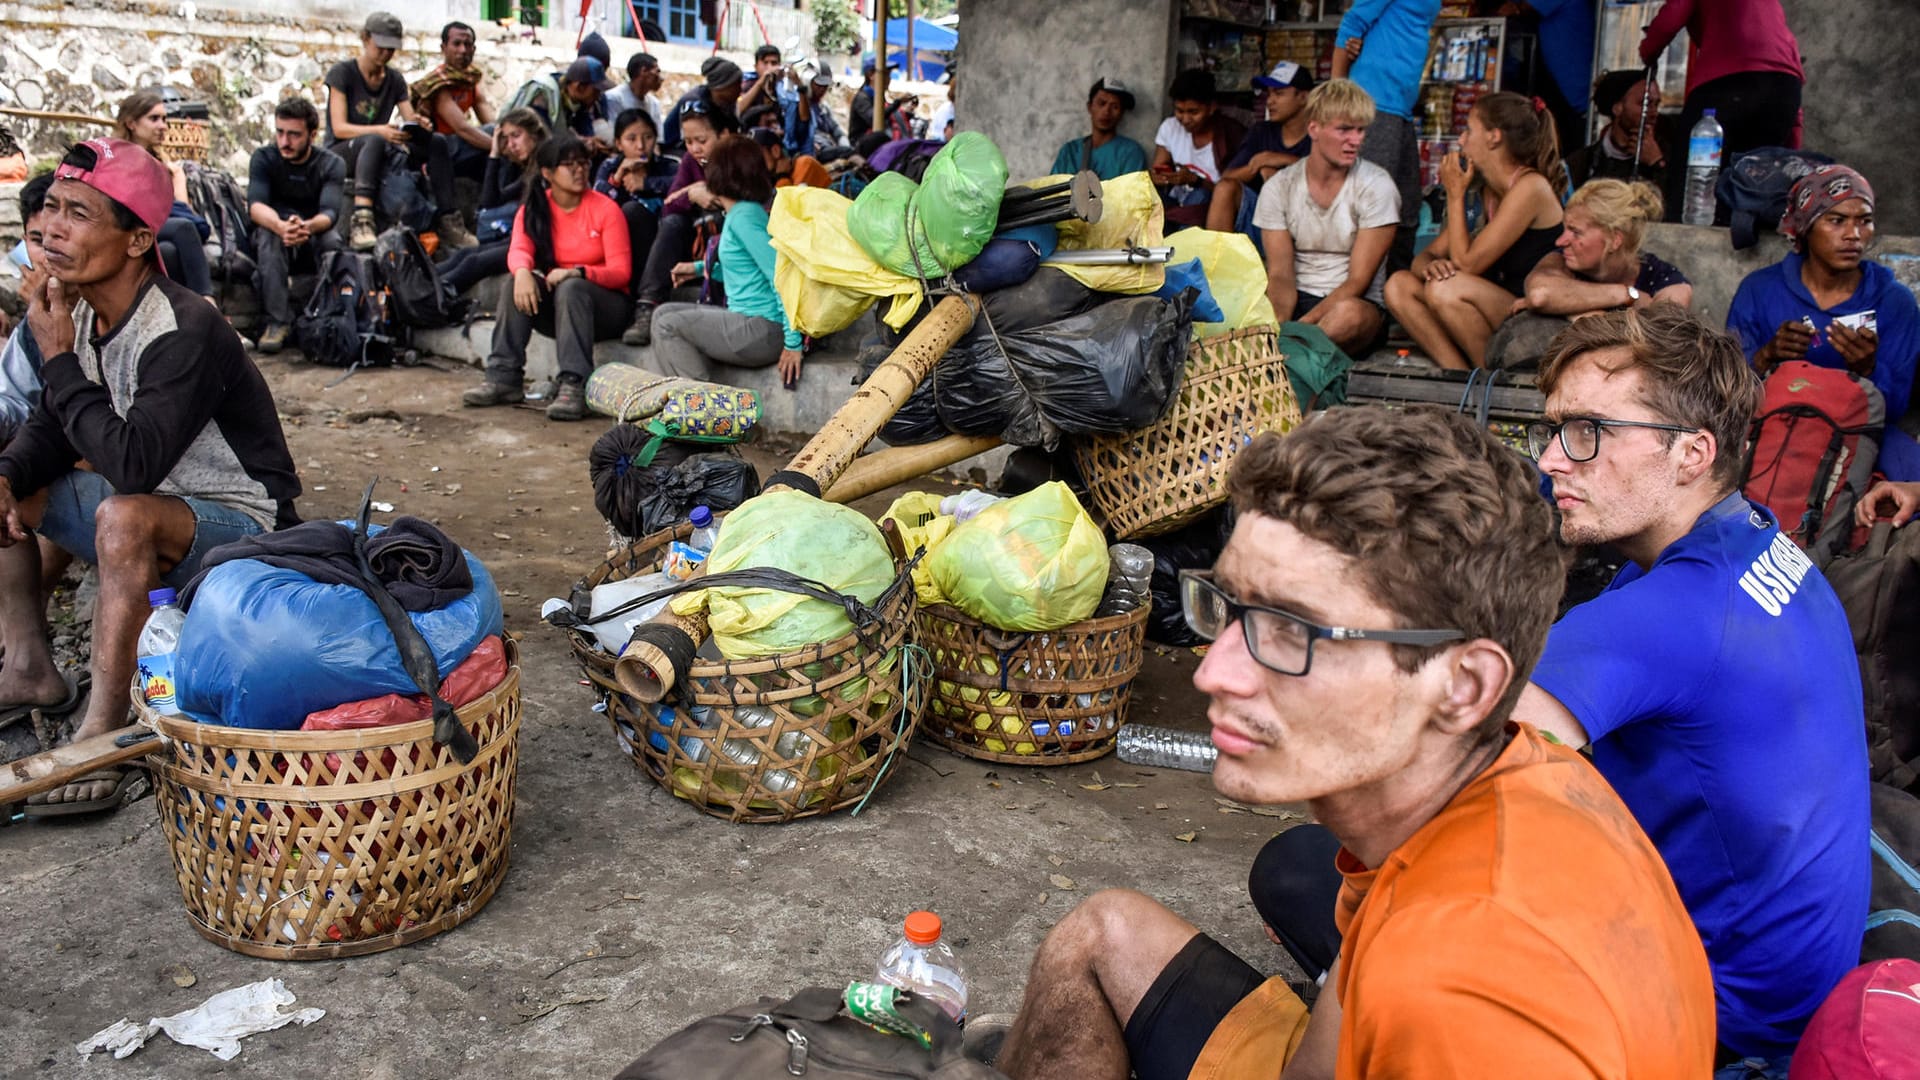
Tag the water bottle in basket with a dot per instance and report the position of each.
(158, 641)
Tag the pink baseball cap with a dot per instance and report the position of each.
(124, 173)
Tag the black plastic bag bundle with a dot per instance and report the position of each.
(1194, 547)
(639, 500)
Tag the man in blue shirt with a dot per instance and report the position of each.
(1107, 152)
(1828, 304)
(772, 83)
(1715, 677)
(1382, 45)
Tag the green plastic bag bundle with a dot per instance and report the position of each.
(959, 199)
(1032, 562)
(878, 220)
(792, 531)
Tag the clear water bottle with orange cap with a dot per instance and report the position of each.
(924, 964)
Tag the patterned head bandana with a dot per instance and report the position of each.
(1818, 192)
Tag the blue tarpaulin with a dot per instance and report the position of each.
(931, 45)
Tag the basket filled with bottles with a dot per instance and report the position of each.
(1155, 480)
(802, 700)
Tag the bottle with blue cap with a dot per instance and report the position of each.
(159, 640)
(685, 557)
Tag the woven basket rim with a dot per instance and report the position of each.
(192, 731)
(952, 614)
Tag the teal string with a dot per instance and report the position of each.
(916, 664)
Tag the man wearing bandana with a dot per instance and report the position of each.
(1828, 304)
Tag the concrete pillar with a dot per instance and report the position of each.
(1858, 55)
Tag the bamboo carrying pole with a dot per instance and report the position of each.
(62, 765)
(662, 648)
(884, 468)
(58, 117)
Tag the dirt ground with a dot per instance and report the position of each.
(625, 913)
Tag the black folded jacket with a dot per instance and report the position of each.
(417, 563)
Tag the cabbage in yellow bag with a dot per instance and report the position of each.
(1032, 562)
(824, 280)
(792, 531)
(1131, 216)
(1235, 275)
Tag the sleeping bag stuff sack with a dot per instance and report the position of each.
(793, 531)
(959, 198)
(263, 646)
(1032, 562)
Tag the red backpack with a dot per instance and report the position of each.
(1812, 451)
(1865, 1030)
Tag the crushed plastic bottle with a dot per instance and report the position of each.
(1166, 748)
(1129, 580)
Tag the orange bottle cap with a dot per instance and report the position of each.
(923, 928)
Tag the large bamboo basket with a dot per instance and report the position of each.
(1052, 698)
(312, 845)
(1155, 480)
(186, 140)
(833, 716)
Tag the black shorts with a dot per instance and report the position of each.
(1189, 998)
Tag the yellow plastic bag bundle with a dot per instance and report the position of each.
(1235, 275)
(792, 531)
(1131, 216)
(922, 525)
(824, 280)
(1033, 562)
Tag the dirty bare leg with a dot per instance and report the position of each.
(30, 676)
(1086, 981)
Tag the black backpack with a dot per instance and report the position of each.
(1755, 188)
(418, 298)
(347, 323)
(1893, 910)
(219, 198)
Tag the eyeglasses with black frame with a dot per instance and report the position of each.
(1279, 641)
(1580, 435)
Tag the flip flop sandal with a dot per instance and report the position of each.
(76, 693)
(131, 783)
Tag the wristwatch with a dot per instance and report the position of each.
(1633, 296)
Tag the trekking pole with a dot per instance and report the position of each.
(1640, 135)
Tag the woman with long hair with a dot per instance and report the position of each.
(637, 176)
(142, 120)
(1464, 284)
(571, 266)
(517, 137)
(701, 126)
(1600, 266)
(699, 341)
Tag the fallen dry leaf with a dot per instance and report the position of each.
(1056, 860)
(501, 536)
(1060, 881)
(1096, 787)
(1232, 809)
(1159, 806)
(1229, 806)
(1043, 898)
(182, 977)
(1186, 837)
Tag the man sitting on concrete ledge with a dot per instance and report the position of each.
(1374, 617)
(155, 441)
(295, 196)
(1107, 152)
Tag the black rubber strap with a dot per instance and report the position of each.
(788, 478)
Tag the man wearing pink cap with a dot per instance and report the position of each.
(154, 441)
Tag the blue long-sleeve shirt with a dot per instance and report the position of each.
(1393, 52)
(1775, 294)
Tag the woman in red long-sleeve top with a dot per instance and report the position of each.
(571, 262)
(1745, 67)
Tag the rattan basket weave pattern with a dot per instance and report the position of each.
(1050, 698)
(1160, 478)
(186, 140)
(796, 735)
(311, 845)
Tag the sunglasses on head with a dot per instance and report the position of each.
(693, 108)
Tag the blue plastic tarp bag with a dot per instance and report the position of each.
(264, 646)
(1191, 275)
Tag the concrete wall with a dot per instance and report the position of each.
(1038, 57)
(1854, 52)
(1707, 257)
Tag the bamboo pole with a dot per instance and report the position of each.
(62, 765)
(663, 648)
(884, 468)
(62, 117)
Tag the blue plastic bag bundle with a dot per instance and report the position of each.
(264, 646)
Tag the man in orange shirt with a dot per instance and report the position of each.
(1386, 591)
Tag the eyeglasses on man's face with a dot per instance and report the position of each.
(1279, 641)
(1580, 435)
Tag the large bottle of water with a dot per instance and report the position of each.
(1166, 748)
(158, 641)
(922, 963)
(1703, 169)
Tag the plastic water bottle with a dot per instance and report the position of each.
(685, 557)
(158, 641)
(1703, 169)
(1166, 748)
(1129, 580)
(705, 532)
(924, 965)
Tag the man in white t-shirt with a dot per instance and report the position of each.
(1327, 221)
(1192, 145)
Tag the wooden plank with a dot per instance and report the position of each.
(62, 765)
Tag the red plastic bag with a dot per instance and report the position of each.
(480, 672)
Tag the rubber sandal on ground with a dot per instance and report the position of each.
(131, 782)
(76, 693)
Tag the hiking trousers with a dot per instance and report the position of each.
(575, 315)
(273, 261)
(698, 341)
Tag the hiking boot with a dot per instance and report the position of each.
(273, 340)
(985, 1036)
(453, 232)
(362, 233)
(492, 393)
(641, 332)
(569, 401)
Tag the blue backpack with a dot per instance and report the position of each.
(1755, 188)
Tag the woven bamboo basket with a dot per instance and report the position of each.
(1052, 698)
(796, 735)
(312, 845)
(186, 140)
(1162, 477)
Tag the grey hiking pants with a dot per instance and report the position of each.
(575, 315)
(698, 341)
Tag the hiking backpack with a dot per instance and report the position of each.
(346, 323)
(1755, 187)
(1811, 453)
(1879, 586)
(1893, 907)
(418, 298)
